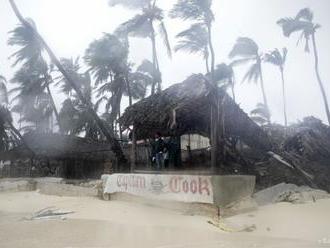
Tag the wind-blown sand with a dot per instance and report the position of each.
(97, 223)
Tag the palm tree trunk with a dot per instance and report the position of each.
(207, 63)
(233, 82)
(284, 99)
(114, 144)
(316, 57)
(120, 130)
(129, 93)
(55, 109)
(263, 89)
(209, 29)
(154, 61)
(214, 108)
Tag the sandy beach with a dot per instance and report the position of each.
(97, 223)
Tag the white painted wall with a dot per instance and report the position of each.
(196, 141)
(184, 188)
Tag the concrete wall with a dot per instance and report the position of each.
(217, 190)
(229, 189)
(15, 185)
(184, 188)
(51, 186)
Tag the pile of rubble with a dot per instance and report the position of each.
(292, 193)
(305, 147)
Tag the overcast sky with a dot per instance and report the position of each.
(70, 25)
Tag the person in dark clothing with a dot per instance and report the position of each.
(158, 149)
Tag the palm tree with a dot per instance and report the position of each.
(260, 114)
(6, 121)
(30, 96)
(142, 25)
(141, 79)
(303, 23)
(200, 12)
(246, 51)
(74, 114)
(72, 67)
(114, 144)
(31, 58)
(107, 60)
(194, 40)
(278, 59)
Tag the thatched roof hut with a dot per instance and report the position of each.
(185, 108)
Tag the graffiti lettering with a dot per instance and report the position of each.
(203, 185)
(177, 184)
(131, 181)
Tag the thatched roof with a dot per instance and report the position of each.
(59, 146)
(191, 102)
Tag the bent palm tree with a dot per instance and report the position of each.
(201, 12)
(246, 51)
(143, 26)
(303, 23)
(30, 55)
(108, 134)
(194, 40)
(278, 59)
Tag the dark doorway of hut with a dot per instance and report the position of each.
(185, 153)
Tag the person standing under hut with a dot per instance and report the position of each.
(158, 148)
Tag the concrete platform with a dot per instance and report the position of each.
(217, 190)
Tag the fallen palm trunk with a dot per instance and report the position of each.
(114, 144)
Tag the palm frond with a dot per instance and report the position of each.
(105, 57)
(199, 10)
(259, 120)
(193, 40)
(242, 61)
(138, 26)
(131, 4)
(253, 74)
(301, 23)
(275, 57)
(139, 83)
(223, 72)
(244, 47)
(31, 47)
(262, 111)
(146, 67)
(291, 25)
(3, 91)
(305, 14)
(166, 41)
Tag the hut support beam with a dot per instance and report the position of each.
(133, 151)
(214, 138)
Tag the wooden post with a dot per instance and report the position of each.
(133, 152)
(214, 137)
